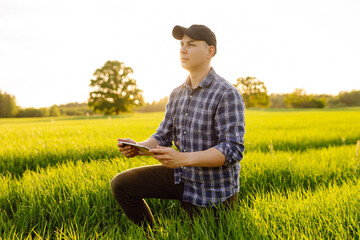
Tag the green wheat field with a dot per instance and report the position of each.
(299, 179)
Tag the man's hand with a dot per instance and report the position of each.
(127, 151)
(169, 157)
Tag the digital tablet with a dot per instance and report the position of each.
(137, 146)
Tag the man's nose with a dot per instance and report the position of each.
(183, 49)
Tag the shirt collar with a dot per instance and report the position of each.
(204, 83)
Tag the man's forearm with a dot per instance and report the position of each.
(211, 157)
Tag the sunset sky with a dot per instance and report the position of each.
(49, 49)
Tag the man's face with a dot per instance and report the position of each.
(194, 53)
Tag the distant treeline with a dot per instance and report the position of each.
(296, 99)
(155, 106)
(299, 99)
(8, 108)
(69, 109)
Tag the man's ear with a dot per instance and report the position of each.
(211, 51)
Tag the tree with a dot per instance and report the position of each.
(253, 91)
(8, 106)
(113, 89)
(346, 99)
(33, 112)
(54, 111)
(277, 100)
(299, 99)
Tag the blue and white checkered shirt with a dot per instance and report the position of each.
(211, 115)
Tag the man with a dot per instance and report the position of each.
(205, 119)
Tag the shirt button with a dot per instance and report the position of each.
(184, 150)
(185, 114)
(190, 96)
(184, 132)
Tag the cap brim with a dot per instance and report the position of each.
(178, 32)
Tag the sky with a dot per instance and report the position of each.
(50, 49)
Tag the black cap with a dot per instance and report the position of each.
(197, 32)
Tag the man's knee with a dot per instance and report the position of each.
(118, 183)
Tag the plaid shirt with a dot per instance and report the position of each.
(211, 115)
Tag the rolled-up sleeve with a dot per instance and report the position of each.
(163, 133)
(230, 126)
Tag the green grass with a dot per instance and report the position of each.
(32, 143)
(299, 179)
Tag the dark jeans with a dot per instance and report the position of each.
(130, 187)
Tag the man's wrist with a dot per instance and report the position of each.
(150, 143)
(188, 159)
